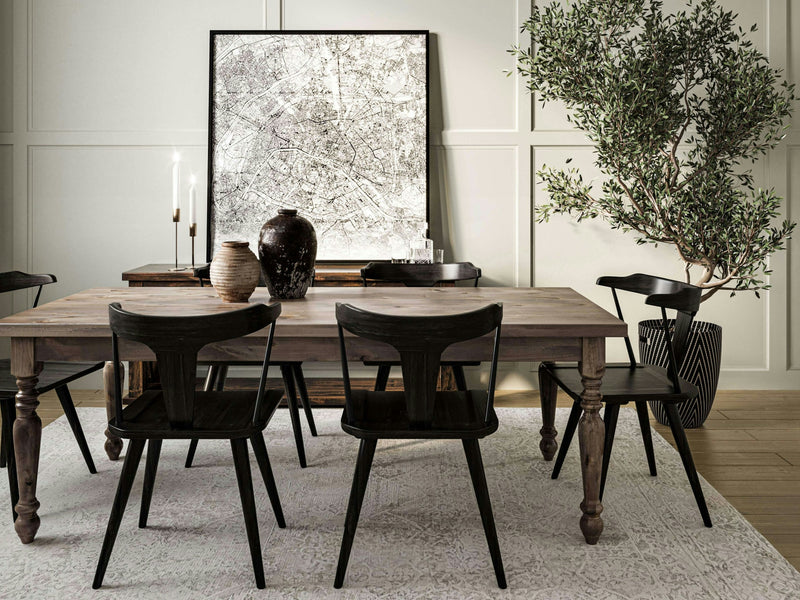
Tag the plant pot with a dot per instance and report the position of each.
(287, 250)
(234, 272)
(700, 366)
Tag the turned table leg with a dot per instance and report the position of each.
(113, 445)
(548, 391)
(591, 433)
(27, 436)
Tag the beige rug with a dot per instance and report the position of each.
(420, 534)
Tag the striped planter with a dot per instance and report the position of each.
(700, 366)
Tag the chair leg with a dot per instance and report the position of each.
(72, 417)
(222, 376)
(211, 380)
(366, 452)
(647, 437)
(686, 456)
(569, 432)
(151, 466)
(7, 415)
(132, 457)
(291, 400)
(472, 450)
(241, 461)
(383, 377)
(461, 380)
(260, 450)
(2, 447)
(610, 421)
(300, 379)
(190, 454)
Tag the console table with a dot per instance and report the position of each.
(159, 275)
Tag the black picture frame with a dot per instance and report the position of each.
(376, 236)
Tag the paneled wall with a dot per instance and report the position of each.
(96, 95)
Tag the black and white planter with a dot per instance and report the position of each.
(700, 366)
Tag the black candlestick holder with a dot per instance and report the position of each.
(176, 218)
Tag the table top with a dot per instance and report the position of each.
(528, 312)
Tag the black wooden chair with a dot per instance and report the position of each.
(177, 411)
(294, 385)
(419, 275)
(632, 382)
(55, 376)
(419, 412)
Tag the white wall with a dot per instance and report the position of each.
(95, 95)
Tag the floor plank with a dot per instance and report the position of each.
(786, 506)
(765, 488)
(772, 424)
(761, 414)
(793, 458)
(751, 473)
(703, 459)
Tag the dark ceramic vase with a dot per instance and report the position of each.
(287, 249)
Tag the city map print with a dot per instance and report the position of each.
(331, 124)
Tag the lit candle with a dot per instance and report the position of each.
(176, 181)
(192, 202)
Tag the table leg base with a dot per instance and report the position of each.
(548, 445)
(113, 445)
(591, 526)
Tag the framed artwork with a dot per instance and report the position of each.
(333, 124)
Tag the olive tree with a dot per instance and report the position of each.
(678, 106)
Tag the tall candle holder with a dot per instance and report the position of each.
(176, 218)
(193, 234)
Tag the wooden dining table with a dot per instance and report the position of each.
(539, 324)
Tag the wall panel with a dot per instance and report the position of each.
(794, 261)
(97, 211)
(477, 213)
(6, 232)
(6, 66)
(115, 65)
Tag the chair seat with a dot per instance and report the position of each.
(621, 384)
(457, 415)
(53, 375)
(218, 415)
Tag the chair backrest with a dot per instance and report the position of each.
(203, 274)
(420, 342)
(11, 281)
(419, 274)
(176, 342)
(682, 297)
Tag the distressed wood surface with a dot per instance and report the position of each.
(538, 324)
(527, 312)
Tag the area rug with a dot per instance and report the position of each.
(419, 536)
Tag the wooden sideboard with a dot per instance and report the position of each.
(160, 275)
(323, 391)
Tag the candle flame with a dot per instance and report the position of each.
(176, 157)
(193, 179)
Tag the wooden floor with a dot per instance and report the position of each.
(748, 449)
